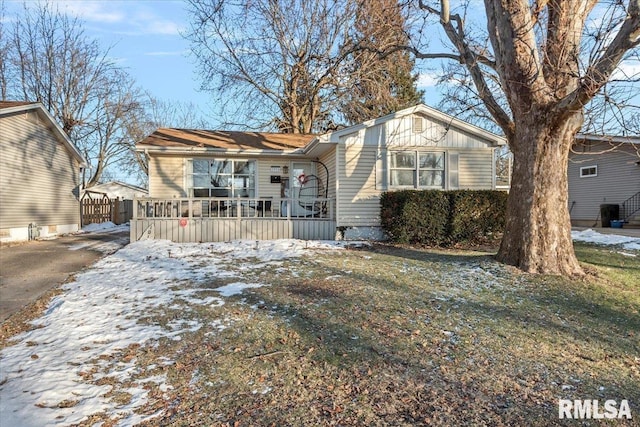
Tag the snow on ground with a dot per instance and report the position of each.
(591, 236)
(104, 227)
(41, 377)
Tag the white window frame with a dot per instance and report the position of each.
(232, 176)
(416, 170)
(586, 168)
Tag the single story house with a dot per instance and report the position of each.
(604, 177)
(217, 185)
(116, 190)
(40, 174)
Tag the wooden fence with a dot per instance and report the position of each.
(96, 210)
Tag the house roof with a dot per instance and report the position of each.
(117, 189)
(11, 107)
(169, 139)
(616, 139)
(9, 104)
(172, 140)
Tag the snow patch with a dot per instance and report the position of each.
(591, 236)
(46, 377)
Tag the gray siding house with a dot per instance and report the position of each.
(604, 170)
(216, 185)
(39, 174)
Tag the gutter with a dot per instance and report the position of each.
(298, 152)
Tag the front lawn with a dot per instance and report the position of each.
(384, 335)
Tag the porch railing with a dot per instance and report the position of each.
(236, 208)
(630, 206)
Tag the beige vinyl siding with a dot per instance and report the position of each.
(38, 176)
(358, 199)
(166, 177)
(401, 133)
(329, 160)
(618, 178)
(475, 169)
(265, 187)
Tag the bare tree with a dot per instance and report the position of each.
(543, 63)
(4, 54)
(272, 63)
(53, 62)
(153, 114)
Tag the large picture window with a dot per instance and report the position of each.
(222, 178)
(416, 169)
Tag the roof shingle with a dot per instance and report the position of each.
(185, 138)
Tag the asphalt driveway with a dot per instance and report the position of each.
(28, 270)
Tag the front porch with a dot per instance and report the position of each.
(219, 219)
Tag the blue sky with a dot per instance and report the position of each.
(145, 38)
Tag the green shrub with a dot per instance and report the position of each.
(434, 217)
(476, 214)
(412, 216)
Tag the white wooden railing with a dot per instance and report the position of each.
(236, 208)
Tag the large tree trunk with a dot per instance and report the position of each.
(537, 236)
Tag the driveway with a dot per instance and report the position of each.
(28, 270)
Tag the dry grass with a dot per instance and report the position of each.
(400, 336)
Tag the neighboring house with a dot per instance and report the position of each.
(40, 172)
(604, 170)
(116, 190)
(305, 186)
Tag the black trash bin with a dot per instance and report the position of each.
(609, 213)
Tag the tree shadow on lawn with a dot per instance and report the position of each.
(350, 330)
(554, 294)
(592, 254)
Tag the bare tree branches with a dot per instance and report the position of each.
(282, 57)
(50, 60)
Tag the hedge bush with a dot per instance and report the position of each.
(437, 218)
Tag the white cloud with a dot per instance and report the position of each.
(131, 18)
(164, 27)
(92, 11)
(427, 80)
(627, 70)
(167, 53)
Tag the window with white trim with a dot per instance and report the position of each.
(588, 171)
(416, 169)
(222, 178)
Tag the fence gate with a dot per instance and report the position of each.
(95, 211)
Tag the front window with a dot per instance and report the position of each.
(222, 178)
(417, 169)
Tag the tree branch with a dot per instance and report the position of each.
(599, 73)
(472, 61)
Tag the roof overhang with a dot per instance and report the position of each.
(615, 139)
(317, 148)
(53, 126)
(208, 151)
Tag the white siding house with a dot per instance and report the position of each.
(349, 169)
(39, 174)
(415, 148)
